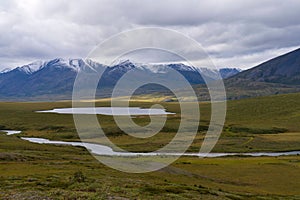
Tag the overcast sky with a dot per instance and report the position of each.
(235, 33)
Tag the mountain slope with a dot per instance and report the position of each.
(284, 69)
(275, 76)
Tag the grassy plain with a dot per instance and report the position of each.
(35, 171)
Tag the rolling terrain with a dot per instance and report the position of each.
(252, 125)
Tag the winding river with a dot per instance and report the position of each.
(107, 151)
(121, 111)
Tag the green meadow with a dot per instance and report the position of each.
(44, 171)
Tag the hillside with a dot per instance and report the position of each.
(275, 76)
(284, 69)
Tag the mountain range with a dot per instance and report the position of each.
(53, 79)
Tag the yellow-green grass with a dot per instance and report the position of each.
(281, 111)
(63, 172)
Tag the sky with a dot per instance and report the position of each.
(234, 33)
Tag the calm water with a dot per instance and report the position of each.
(107, 151)
(110, 111)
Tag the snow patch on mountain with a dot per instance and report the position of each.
(152, 68)
(5, 70)
(58, 63)
(32, 67)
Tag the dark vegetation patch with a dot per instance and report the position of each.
(273, 130)
(55, 128)
(5, 156)
(2, 127)
(202, 128)
(114, 133)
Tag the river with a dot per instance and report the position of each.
(107, 151)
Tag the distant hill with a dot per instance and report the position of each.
(284, 69)
(275, 76)
(53, 80)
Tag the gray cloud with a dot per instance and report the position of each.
(234, 33)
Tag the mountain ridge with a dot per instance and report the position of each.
(56, 77)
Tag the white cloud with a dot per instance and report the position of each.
(234, 33)
(247, 61)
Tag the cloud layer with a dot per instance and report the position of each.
(234, 33)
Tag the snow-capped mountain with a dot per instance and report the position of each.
(58, 63)
(56, 77)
